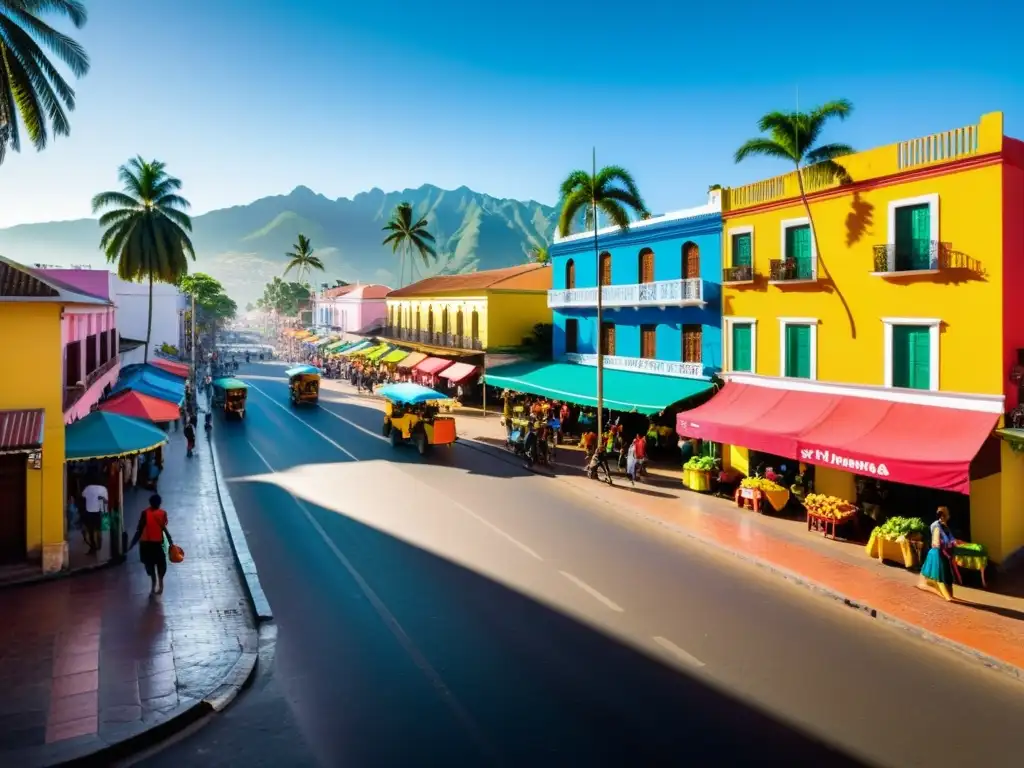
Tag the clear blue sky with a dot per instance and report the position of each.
(244, 98)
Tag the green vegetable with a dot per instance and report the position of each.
(971, 549)
(700, 463)
(895, 527)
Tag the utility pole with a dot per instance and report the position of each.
(600, 312)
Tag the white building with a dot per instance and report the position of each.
(132, 302)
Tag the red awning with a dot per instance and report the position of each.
(459, 372)
(21, 430)
(142, 406)
(432, 365)
(924, 445)
(178, 369)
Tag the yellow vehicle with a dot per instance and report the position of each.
(304, 384)
(230, 394)
(412, 416)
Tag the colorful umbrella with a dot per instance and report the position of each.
(181, 370)
(141, 406)
(102, 435)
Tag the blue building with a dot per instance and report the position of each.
(661, 333)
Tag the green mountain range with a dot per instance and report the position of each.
(244, 246)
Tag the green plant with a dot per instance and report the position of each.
(301, 259)
(407, 234)
(700, 463)
(898, 527)
(169, 349)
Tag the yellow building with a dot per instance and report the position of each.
(881, 343)
(34, 396)
(462, 315)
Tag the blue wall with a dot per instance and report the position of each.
(666, 240)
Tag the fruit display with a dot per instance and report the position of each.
(700, 464)
(820, 505)
(896, 528)
(760, 484)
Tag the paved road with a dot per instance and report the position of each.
(460, 611)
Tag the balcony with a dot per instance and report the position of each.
(433, 338)
(676, 368)
(688, 292)
(73, 394)
(735, 275)
(790, 271)
(921, 257)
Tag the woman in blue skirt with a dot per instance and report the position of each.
(937, 571)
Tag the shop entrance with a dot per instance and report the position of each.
(897, 499)
(12, 508)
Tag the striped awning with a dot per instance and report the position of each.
(21, 431)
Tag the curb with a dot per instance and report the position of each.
(243, 558)
(917, 631)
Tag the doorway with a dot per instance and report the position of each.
(13, 526)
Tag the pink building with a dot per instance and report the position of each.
(351, 308)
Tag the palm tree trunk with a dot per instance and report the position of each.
(817, 252)
(600, 338)
(149, 321)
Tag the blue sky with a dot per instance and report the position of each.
(244, 99)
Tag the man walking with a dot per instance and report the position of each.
(96, 500)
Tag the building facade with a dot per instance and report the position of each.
(888, 299)
(351, 308)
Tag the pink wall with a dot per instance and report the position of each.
(370, 311)
(1013, 260)
(78, 327)
(95, 282)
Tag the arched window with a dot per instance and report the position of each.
(570, 274)
(645, 266)
(458, 322)
(419, 317)
(444, 320)
(474, 325)
(691, 259)
(605, 269)
(430, 319)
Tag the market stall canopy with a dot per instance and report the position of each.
(21, 431)
(181, 370)
(325, 342)
(459, 372)
(407, 392)
(395, 356)
(151, 386)
(103, 435)
(302, 370)
(873, 432)
(432, 365)
(228, 383)
(339, 346)
(378, 353)
(356, 348)
(414, 359)
(141, 406)
(367, 351)
(151, 370)
(623, 390)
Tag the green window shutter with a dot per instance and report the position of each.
(911, 356)
(741, 256)
(913, 237)
(901, 355)
(798, 249)
(798, 351)
(742, 352)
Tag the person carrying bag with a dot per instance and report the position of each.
(155, 543)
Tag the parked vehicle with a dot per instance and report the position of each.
(412, 415)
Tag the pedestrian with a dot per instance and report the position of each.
(95, 498)
(190, 437)
(150, 535)
(937, 570)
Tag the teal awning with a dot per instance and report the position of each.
(623, 390)
(105, 435)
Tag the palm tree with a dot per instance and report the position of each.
(301, 258)
(145, 228)
(539, 254)
(30, 86)
(793, 137)
(408, 235)
(613, 192)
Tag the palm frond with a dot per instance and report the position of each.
(575, 180)
(764, 148)
(827, 171)
(828, 152)
(576, 201)
(112, 200)
(609, 176)
(615, 211)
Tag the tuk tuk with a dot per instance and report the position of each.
(412, 415)
(230, 395)
(304, 384)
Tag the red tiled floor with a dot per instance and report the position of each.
(69, 685)
(75, 663)
(73, 707)
(71, 729)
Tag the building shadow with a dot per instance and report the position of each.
(859, 220)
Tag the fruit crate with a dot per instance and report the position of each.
(906, 552)
(823, 524)
(697, 480)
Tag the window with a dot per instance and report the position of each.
(572, 335)
(430, 319)
(742, 340)
(606, 268)
(474, 324)
(691, 260)
(648, 341)
(104, 348)
(72, 363)
(444, 320)
(798, 346)
(913, 234)
(797, 250)
(607, 338)
(645, 268)
(742, 249)
(459, 323)
(570, 274)
(912, 353)
(90, 354)
(693, 336)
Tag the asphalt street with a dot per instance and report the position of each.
(458, 610)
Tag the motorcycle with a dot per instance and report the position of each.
(597, 462)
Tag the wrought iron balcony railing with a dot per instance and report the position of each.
(791, 271)
(434, 338)
(660, 293)
(738, 274)
(74, 393)
(917, 256)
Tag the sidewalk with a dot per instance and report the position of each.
(93, 661)
(986, 625)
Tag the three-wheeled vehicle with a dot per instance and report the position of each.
(412, 415)
(230, 394)
(304, 384)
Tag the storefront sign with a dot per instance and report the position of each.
(828, 458)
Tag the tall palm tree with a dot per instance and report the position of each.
(301, 259)
(793, 137)
(30, 86)
(406, 234)
(145, 227)
(613, 192)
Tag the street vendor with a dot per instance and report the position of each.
(802, 484)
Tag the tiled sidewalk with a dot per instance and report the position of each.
(92, 660)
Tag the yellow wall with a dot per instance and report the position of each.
(422, 306)
(847, 228)
(513, 314)
(987, 513)
(736, 457)
(835, 482)
(33, 358)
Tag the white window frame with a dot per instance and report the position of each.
(813, 323)
(933, 223)
(799, 222)
(729, 323)
(748, 230)
(934, 326)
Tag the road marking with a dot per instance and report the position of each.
(675, 650)
(496, 529)
(362, 429)
(306, 424)
(592, 592)
(461, 714)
